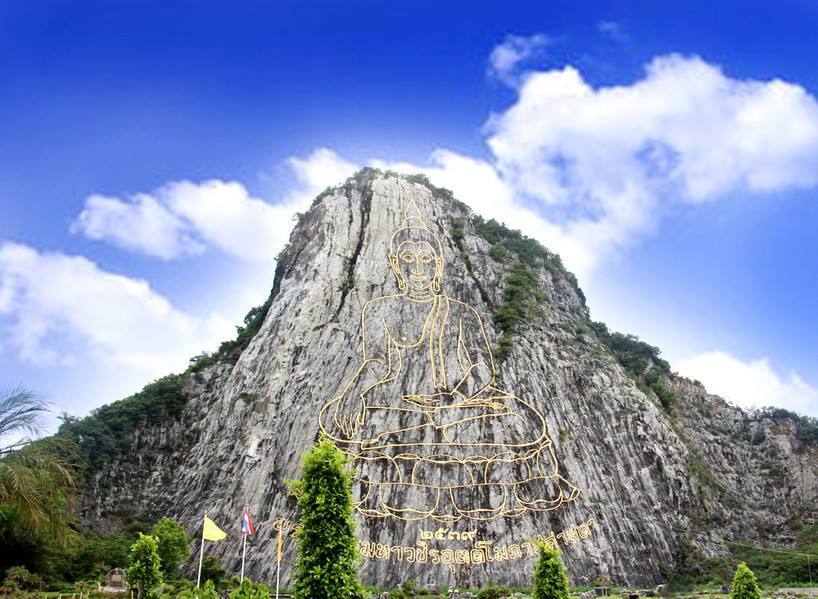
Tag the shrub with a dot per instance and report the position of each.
(327, 548)
(550, 580)
(409, 587)
(493, 592)
(208, 591)
(248, 590)
(108, 431)
(807, 426)
(745, 585)
(499, 252)
(18, 577)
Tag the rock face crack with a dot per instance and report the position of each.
(349, 274)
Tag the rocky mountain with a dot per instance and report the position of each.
(494, 411)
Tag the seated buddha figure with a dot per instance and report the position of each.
(429, 431)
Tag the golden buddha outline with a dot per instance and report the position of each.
(456, 447)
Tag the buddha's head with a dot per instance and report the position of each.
(416, 255)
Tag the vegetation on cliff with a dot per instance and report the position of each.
(806, 426)
(773, 567)
(641, 361)
(109, 430)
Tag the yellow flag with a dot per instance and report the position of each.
(211, 531)
(279, 545)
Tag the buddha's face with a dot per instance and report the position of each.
(417, 264)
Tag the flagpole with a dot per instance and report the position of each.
(201, 556)
(278, 566)
(243, 553)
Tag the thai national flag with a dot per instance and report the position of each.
(247, 524)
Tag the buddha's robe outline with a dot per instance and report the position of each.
(462, 445)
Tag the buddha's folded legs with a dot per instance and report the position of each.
(457, 459)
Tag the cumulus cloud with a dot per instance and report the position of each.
(589, 171)
(750, 384)
(53, 297)
(184, 218)
(507, 58)
(142, 224)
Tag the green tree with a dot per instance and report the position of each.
(327, 550)
(37, 489)
(173, 543)
(145, 572)
(745, 585)
(550, 580)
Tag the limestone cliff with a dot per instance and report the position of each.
(655, 458)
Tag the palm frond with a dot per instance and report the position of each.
(37, 481)
(21, 411)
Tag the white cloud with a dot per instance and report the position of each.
(315, 173)
(506, 58)
(142, 224)
(53, 297)
(589, 171)
(183, 218)
(751, 384)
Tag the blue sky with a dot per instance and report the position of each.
(152, 153)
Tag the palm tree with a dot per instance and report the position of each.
(37, 487)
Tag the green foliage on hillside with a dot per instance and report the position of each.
(524, 258)
(807, 425)
(773, 567)
(634, 355)
(641, 361)
(108, 431)
(328, 191)
(520, 297)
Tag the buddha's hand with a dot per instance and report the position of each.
(423, 400)
(350, 414)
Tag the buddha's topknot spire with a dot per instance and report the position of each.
(412, 218)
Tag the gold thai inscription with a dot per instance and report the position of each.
(285, 526)
(481, 552)
(447, 533)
